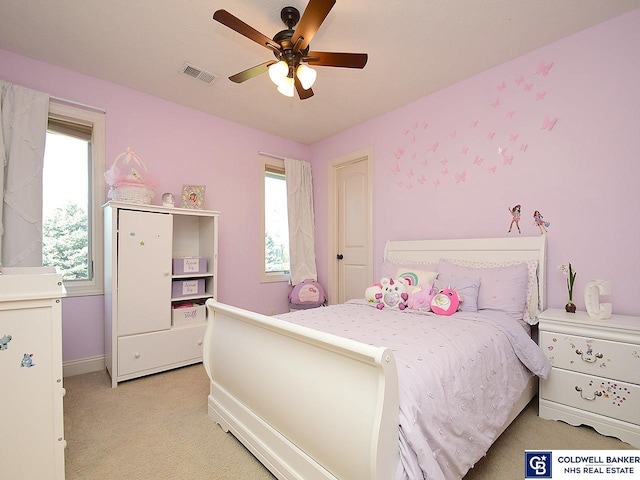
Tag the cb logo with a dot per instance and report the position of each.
(537, 465)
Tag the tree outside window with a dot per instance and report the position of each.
(274, 219)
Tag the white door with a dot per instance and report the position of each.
(353, 229)
(144, 272)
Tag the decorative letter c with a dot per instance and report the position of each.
(592, 293)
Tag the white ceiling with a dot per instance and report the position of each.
(415, 47)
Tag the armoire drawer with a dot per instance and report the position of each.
(592, 356)
(137, 353)
(599, 395)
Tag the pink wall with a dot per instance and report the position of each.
(180, 146)
(555, 130)
(581, 174)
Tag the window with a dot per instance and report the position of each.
(72, 196)
(274, 221)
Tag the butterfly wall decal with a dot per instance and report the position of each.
(548, 123)
(543, 68)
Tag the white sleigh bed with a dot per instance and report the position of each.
(313, 405)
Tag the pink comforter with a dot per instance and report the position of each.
(459, 377)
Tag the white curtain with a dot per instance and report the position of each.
(302, 249)
(23, 128)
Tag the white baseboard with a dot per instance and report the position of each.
(83, 365)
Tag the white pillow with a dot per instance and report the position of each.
(422, 273)
(414, 276)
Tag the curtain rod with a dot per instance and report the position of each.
(271, 155)
(77, 104)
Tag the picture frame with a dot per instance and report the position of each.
(192, 197)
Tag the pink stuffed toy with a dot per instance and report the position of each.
(394, 294)
(445, 302)
(371, 293)
(421, 297)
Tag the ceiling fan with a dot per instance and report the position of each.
(291, 49)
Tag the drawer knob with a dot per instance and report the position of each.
(137, 355)
(589, 358)
(591, 399)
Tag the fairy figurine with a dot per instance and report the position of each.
(540, 222)
(515, 217)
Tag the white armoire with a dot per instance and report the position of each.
(143, 288)
(32, 435)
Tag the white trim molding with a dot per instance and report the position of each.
(83, 365)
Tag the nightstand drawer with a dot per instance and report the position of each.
(605, 358)
(599, 395)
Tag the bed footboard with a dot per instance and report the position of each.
(308, 405)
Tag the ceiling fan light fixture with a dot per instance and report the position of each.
(306, 75)
(291, 47)
(286, 87)
(278, 72)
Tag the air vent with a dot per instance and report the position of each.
(199, 74)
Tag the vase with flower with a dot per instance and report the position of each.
(571, 274)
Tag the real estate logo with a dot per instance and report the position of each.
(537, 464)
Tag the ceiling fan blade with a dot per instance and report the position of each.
(312, 18)
(234, 23)
(249, 73)
(333, 59)
(302, 93)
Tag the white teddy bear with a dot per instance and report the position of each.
(394, 294)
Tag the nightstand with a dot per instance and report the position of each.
(595, 379)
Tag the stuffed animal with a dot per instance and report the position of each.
(370, 294)
(394, 294)
(446, 302)
(421, 297)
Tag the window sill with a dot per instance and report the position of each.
(266, 278)
(87, 290)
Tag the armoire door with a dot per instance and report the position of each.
(144, 272)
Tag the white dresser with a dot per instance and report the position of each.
(595, 379)
(32, 434)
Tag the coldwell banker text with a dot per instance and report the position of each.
(599, 464)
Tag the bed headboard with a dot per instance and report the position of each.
(477, 249)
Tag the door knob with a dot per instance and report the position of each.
(339, 256)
